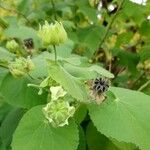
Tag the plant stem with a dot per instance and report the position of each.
(109, 26)
(144, 85)
(54, 9)
(55, 52)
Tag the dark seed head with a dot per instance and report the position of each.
(100, 85)
(28, 43)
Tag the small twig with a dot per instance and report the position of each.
(144, 85)
(16, 12)
(54, 9)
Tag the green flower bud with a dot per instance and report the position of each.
(93, 3)
(21, 67)
(57, 92)
(58, 112)
(12, 45)
(52, 34)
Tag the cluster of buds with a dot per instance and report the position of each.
(58, 111)
(21, 66)
(52, 34)
(12, 46)
(145, 66)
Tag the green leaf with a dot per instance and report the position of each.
(124, 116)
(35, 133)
(80, 113)
(123, 145)
(41, 67)
(129, 60)
(132, 10)
(97, 141)
(4, 109)
(5, 55)
(87, 72)
(2, 146)
(87, 10)
(91, 37)
(145, 28)
(9, 125)
(16, 92)
(123, 38)
(22, 33)
(145, 53)
(82, 141)
(71, 84)
(64, 50)
(3, 73)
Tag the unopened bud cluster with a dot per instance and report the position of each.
(52, 34)
(58, 111)
(21, 66)
(12, 46)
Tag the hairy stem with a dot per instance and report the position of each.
(55, 52)
(144, 85)
(54, 9)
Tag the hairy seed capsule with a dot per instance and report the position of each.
(100, 85)
(28, 43)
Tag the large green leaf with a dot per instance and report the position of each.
(5, 55)
(16, 92)
(132, 10)
(4, 109)
(125, 116)
(74, 86)
(97, 141)
(23, 32)
(80, 113)
(35, 133)
(41, 67)
(87, 72)
(3, 73)
(145, 28)
(144, 53)
(64, 50)
(9, 125)
(87, 10)
(82, 141)
(90, 37)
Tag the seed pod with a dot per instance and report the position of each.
(28, 43)
(100, 85)
(97, 89)
(12, 46)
